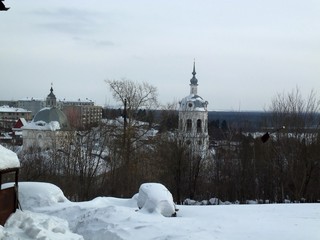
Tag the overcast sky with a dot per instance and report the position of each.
(245, 51)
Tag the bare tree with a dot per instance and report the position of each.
(296, 160)
(133, 96)
(136, 95)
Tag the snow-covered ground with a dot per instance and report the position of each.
(47, 214)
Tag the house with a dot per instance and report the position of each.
(17, 131)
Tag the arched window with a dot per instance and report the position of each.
(206, 126)
(199, 127)
(189, 125)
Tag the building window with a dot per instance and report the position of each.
(199, 128)
(189, 125)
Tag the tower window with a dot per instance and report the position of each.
(189, 125)
(206, 126)
(199, 127)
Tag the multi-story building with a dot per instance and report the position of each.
(83, 116)
(10, 103)
(32, 104)
(10, 115)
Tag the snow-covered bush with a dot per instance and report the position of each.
(189, 201)
(154, 197)
(214, 201)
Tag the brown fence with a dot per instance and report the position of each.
(8, 203)
(8, 196)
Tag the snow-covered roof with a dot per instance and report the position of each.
(27, 99)
(49, 115)
(23, 121)
(42, 125)
(8, 159)
(64, 100)
(12, 109)
(193, 102)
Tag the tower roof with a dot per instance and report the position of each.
(194, 80)
(51, 98)
(51, 94)
(193, 103)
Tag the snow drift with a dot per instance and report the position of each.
(51, 216)
(154, 197)
(8, 159)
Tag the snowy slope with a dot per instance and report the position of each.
(113, 218)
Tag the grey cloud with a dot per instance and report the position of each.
(68, 20)
(94, 42)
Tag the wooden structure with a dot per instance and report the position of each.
(8, 196)
(9, 172)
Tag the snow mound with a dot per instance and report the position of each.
(154, 197)
(38, 194)
(29, 225)
(8, 159)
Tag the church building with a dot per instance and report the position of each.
(193, 120)
(48, 126)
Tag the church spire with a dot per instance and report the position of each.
(193, 80)
(194, 68)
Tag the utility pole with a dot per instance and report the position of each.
(124, 121)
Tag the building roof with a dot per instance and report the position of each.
(193, 102)
(12, 109)
(19, 124)
(52, 114)
(51, 94)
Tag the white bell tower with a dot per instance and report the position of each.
(193, 120)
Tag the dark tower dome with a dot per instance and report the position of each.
(51, 99)
(52, 114)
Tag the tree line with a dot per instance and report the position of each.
(124, 151)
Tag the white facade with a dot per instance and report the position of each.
(193, 120)
(44, 139)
